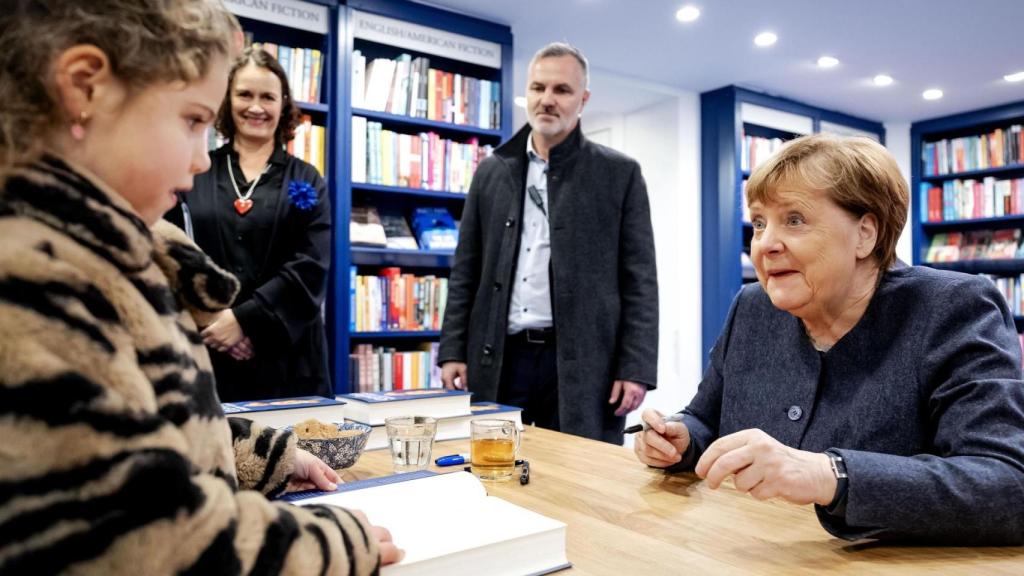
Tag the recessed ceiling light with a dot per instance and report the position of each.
(765, 39)
(828, 61)
(932, 94)
(688, 13)
(883, 80)
(1015, 77)
(520, 101)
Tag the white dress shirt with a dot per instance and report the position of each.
(531, 290)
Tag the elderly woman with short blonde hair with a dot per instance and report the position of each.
(888, 396)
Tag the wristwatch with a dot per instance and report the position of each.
(842, 480)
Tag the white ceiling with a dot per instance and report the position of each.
(639, 53)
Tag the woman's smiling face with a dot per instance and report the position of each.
(256, 103)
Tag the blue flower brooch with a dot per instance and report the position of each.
(302, 195)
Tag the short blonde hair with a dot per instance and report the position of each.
(857, 173)
(146, 41)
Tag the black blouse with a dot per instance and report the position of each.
(280, 252)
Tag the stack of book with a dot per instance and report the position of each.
(384, 368)
(452, 408)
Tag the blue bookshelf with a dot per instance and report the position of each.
(954, 126)
(726, 115)
(369, 260)
(1007, 272)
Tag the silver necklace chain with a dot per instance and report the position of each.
(252, 186)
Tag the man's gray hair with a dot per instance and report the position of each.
(557, 49)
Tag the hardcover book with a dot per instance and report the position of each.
(373, 407)
(280, 412)
(447, 524)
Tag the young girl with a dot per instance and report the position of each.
(116, 457)
(264, 215)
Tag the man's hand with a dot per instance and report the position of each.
(311, 473)
(632, 395)
(224, 333)
(389, 553)
(453, 375)
(663, 444)
(766, 468)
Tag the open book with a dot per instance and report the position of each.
(447, 524)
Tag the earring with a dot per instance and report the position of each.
(78, 127)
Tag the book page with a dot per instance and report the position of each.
(440, 515)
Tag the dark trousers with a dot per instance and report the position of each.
(529, 376)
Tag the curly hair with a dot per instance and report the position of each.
(290, 115)
(146, 41)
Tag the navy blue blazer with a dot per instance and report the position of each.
(923, 399)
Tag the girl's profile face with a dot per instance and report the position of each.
(149, 145)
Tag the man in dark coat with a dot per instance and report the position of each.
(553, 297)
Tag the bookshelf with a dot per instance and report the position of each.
(967, 181)
(728, 115)
(455, 44)
(306, 26)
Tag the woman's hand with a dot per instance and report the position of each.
(311, 473)
(389, 553)
(224, 333)
(664, 443)
(767, 468)
(243, 350)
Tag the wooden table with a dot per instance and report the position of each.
(625, 518)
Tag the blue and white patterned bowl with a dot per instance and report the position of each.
(338, 452)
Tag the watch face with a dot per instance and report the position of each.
(838, 466)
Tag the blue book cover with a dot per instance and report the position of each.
(278, 404)
(486, 408)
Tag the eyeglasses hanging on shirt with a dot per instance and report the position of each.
(536, 198)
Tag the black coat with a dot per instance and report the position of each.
(281, 254)
(604, 285)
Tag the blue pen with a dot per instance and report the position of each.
(452, 460)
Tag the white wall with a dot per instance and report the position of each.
(665, 139)
(897, 140)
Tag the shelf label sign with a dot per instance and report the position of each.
(291, 13)
(403, 34)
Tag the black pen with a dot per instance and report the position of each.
(678, 417)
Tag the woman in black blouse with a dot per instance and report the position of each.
(265, 216)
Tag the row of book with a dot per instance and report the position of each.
(395, 301)
(1001, 147)
(754, 150)
(1012, 288)
(383, 369)
(310, 144)
(302, 66)
(425, 160)
(434, 227)
(410, 87)
(975, 245)
(966, 199)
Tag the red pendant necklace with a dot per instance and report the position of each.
(243, 203)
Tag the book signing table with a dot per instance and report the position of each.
(625, 518)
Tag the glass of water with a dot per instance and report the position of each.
(410, 439)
